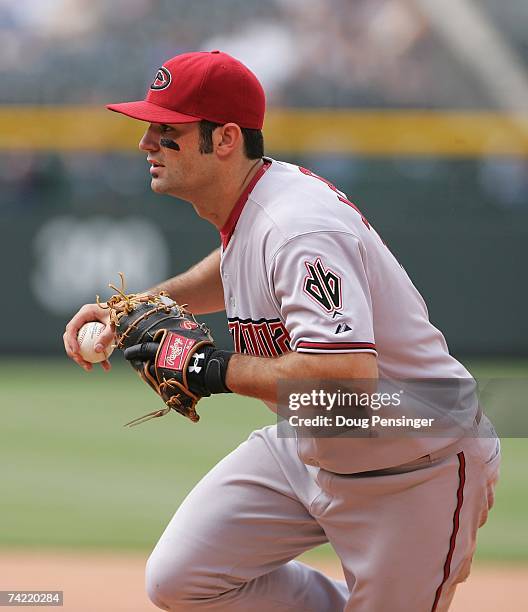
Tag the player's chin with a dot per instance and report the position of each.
(157, 185)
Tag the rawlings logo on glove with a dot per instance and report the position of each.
(173, 353)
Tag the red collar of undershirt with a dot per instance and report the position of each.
(229, 226)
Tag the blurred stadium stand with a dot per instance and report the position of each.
(361, 91)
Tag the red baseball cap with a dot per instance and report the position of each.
(203, 85)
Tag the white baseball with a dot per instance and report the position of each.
(88, 337)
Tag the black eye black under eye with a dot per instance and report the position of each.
(169, 144)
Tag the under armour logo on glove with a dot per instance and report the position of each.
(195, 367)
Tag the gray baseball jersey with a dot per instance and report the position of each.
(303, 270)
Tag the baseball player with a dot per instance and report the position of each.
(310, 290)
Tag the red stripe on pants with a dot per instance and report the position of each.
(456, 525)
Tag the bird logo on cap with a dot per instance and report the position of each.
(162, 80)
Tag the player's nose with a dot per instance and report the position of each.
(150, 140)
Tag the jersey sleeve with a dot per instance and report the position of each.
(320, 284)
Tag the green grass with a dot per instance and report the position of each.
(73, 477)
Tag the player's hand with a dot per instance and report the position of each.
(89, 312)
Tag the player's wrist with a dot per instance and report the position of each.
(215, 370)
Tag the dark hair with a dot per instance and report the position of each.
(253, 139)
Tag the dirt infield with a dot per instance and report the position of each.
(114, 583)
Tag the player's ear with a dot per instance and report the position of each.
(227, 139)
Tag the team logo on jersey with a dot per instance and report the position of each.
(163, 79)
(323, 286)
(264, 338)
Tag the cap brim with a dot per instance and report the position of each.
(147, 111)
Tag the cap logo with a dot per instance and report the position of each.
(162, 80)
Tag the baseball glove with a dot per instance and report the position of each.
(169, 349)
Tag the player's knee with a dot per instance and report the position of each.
(174, 584)
(163, 583)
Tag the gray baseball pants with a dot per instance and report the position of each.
(404, 538)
